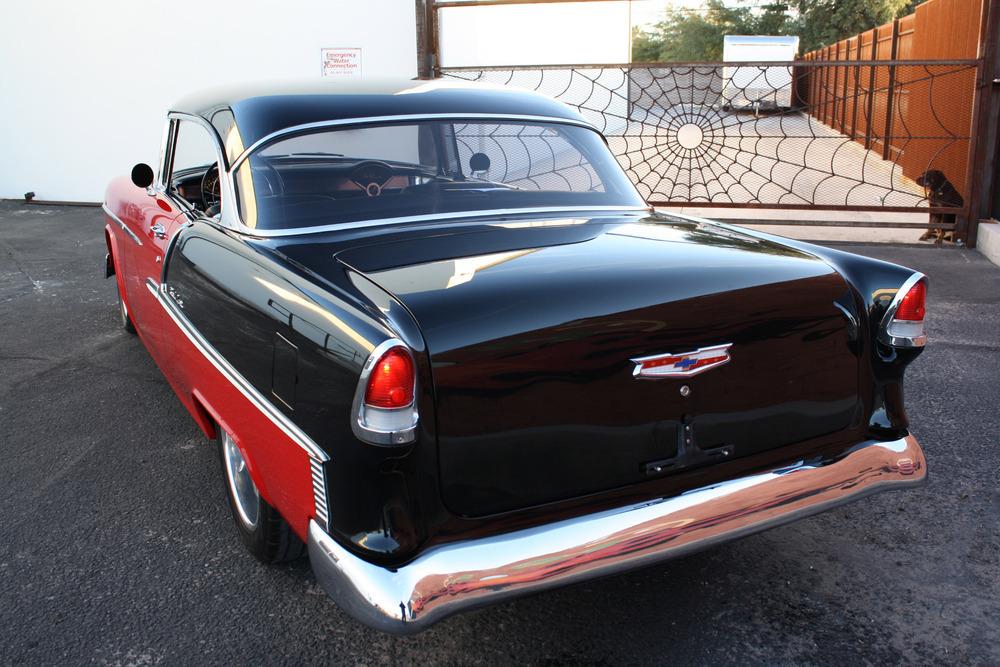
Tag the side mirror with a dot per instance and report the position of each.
(142, 175)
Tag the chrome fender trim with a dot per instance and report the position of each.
(244, 386)
(462, 576)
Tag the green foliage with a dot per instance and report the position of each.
(695, 35)
(823, 22)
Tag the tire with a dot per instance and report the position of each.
(123, 314)
(265, 534)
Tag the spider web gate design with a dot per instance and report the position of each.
(880, 135)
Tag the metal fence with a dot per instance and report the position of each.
(803, 134)
(902, 117)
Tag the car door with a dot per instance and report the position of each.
(189, 151)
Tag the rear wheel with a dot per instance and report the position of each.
(264, 532)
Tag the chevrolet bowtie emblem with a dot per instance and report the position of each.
(681, 364)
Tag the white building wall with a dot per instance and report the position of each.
(84, 86)
(536, 34)
(584, 33)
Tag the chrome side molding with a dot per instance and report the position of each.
(458, 577)
(121, 224)
(233, 376)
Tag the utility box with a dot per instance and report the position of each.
(758, 87)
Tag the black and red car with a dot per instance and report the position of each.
(445, 346)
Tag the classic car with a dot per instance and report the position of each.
(446, 348)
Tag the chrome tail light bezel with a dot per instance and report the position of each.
(903, 333)
(385, 427)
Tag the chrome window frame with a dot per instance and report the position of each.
(231, 218)
(171, 132)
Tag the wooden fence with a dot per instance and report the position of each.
(916, 115)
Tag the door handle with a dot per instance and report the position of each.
(159, 231)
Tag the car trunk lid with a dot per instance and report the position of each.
(531, 329)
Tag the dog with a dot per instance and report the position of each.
(939, 192)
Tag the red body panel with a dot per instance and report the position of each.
(279, 467)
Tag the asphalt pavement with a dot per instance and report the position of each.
(117, 547)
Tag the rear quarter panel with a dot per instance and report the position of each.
(301, 343)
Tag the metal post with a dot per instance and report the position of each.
(826, 86)
(836, 87)
(985, 137)
(843, 97)
(890, 93)
(425, 52)
(857, 90)
(870, 115)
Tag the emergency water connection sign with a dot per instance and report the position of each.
(344, 63)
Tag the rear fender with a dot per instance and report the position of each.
(875, 283)
(210, 420)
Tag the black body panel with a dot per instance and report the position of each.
(531, 352)
(263, 316)
(695, 285)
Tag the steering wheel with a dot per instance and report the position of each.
(210, 193)
(371, 176)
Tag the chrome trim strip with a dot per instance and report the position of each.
(890, 312)
(458, 577)
(274, 233)
(369, 120)
(220, 148)
(231, 218)
(131, 234)
(318, 475)
(277, 417)
(375, 436)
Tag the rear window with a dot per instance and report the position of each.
(341, 175)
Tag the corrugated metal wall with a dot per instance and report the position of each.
(916, 115)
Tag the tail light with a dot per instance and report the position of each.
(390, 384)
(903, 324)
(385, 411)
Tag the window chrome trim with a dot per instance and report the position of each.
(231, 218)
(269, 410)
(166, 141)
(227, 191)
(376, 436)
(883, 331)
(132, 235)
(370, 120)
(423, 217)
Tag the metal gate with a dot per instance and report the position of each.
(858, 126)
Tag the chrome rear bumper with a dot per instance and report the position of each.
(461, 576)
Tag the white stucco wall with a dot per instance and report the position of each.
(84, 86)
(556, 34)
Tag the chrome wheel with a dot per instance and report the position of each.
(241, 486)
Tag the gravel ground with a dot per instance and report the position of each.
(116, 544)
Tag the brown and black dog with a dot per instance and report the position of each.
(940, 192)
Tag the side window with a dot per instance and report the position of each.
(194, 173)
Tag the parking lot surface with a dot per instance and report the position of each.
(116, 543)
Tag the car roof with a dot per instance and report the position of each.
(260, 109)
